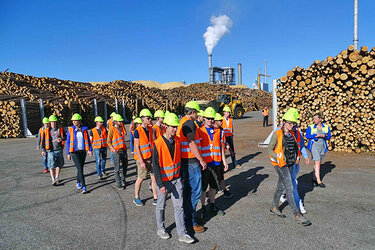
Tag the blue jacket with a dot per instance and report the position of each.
(312, 136)
(67, 143)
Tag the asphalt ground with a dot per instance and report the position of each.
(36, 215)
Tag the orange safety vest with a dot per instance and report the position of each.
(265, 112)
(185, 150)
(145, 144)
(279, 150)
(41, 130)
(47, 139)
(169, 168)
(110, 123)
(97, 140)
(118, 140)
(72, 140)
(158, 131)
(211, 150)
(228, 127)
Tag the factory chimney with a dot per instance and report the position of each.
(239, 74)
(210, 70)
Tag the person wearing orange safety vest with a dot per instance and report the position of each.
(132, 125)
(191, 164)
(159, 127)
(77, 146)
(45, 122)
(116, 142)
(166, 162)
(110, 124)
(98, 139)
(52, 145)
(284, 153)
(136, 123)
(213, 152)
(228, 131)
(143, 146)
(265, 113)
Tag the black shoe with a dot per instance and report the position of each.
(120, 188)
(214, 210)
(205, 215)
(276, 211)
(104, 174)
(302, 221)
(321, 185)
(315, 183)
(227, 194)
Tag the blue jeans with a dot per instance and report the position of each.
(112, 158)
(293, 174)
(100, 158)
(45, 161)
(192, 180)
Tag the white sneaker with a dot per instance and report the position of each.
(302, 208)
(282, 198)
(163, 234)
(186, 238)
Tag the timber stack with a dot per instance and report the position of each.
(342, 89)
(63, 98)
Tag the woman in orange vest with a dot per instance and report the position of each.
(166, 161)
(265, 114)
(39, 142)
(77, 146)
(110, 124)
(98, 138)
(116, 142)
(284, 153)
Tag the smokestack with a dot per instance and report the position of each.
(239, 74)
(210, 61)
(210, 70)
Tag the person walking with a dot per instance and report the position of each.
(77, 146)
(136, 123)
(265, 113)
(98, 139)
(191, 164)
(213, 154)
(318, 135)
(166, 161)
(229, 134)
(284, 153)
(116, 142)
(158, 128)
(110, 124)
(39, 143)
(132, 125)
(143, 145)
(52, 146)
(223, 188)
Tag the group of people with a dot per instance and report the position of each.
(184, 158)
(285, 148)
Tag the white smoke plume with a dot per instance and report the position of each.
(220, 26)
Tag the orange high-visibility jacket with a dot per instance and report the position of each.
(169, 168)
(47, 140)
(279, 150)
(72, 139)
(211, 149)
(145, 144)
(185, 150)
(118, 140)
(158, 131)
(265, 112)
(97, 140)
(228, 127)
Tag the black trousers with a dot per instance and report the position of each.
(265, 121)
(79, 158)
(120, 157)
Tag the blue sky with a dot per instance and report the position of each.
(162, 40)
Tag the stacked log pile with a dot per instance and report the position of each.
(62, 98)
(342, 89)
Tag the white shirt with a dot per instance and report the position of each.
(79, 136)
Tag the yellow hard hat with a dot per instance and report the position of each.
(209, 113)
(52, 118)
(98, 119)
(118, 118)
(113, 114)
(145, 112)
(171, 119)
(45, 120)
(226, 108)
(218, 117)
(200, 113)
(192, 105)
(76, 117)
(290, 115)
(138, 120)
(159, 113)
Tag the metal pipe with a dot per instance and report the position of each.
(41, 109)
(116, 105)
(24, 117)
(210, 70)
(105, 110)
(95, 108)
(355, 40)
(123, 111)
(265, 72)
(239, 74)
(274, 104)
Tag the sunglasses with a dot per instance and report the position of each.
(291, 123)
(210, 119)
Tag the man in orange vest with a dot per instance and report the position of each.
(52, 145)
(116, 142)
(213, 153)
(229, 133)
(39, 143)
(191, 164)
(265, 113)
(98, 138)
(110, 124)
(143, 144)
(166, 161)
(159, 127)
